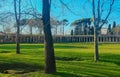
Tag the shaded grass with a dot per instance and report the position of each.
(72, 60)
(112, 58)
(20, 66)
(68, 58)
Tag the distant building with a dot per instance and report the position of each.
(103, 31)
(2, 33)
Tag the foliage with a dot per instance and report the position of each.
(83, 26)
(116, 30)
(80, 21)
(109, 30)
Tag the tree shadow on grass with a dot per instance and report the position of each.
(19, 67)
(5, 51)
(70, 47)
(112, 58)
(69, 58)
(63, 74)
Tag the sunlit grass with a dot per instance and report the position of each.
(72, 60)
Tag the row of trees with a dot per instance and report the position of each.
(28, 26)
(113, 29)
(38, 23)
(84, 27)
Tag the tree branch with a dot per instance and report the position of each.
(102, 5)
(98, 10)
(68, 8)
(15, 11)
(93, 9)
(111, 5)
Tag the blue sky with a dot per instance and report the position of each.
(80, 7)
(83, 9)
(60, 12)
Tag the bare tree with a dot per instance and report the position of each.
(50, 66)
(17, 17)
(98, 23)
(64, 23)
(55, 24)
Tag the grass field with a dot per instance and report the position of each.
(72, 60)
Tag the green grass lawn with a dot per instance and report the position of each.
(72, 60)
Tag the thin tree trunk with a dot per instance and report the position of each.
(63, 29)
(31, 38)
(96, 54)
(18, 41)
(30, 30)
(56, 30)
(40, 31)
(17, 17)
(50, 66)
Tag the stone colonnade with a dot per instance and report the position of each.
(40, 39)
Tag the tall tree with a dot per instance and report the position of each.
(91, 30)
(17, 17)
(98, 23)
(55, 24)
(113, 28)
(114, 24)
(50, 65)
(72, 32)
(109, 30)
(64, 23)
(82, 26)
(116, 30)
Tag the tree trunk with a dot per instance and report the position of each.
(56, 30)
(30, 30)
(31, 38)
(40, 31)
(97, 26)
(18, 40)
(17, 17)
(96, 54)
(63, 29)
(50, 66)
